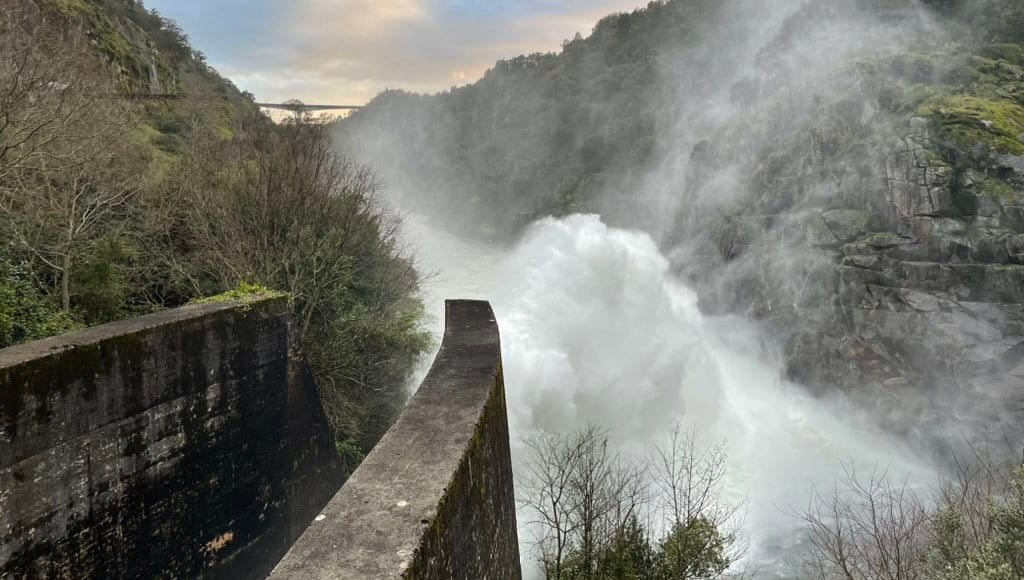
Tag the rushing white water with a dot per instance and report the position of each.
(595, 330)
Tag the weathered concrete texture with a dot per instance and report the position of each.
(185, 443)
(434, 499)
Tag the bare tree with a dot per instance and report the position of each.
(54, 215)
(549, 493)
(595, 513)
(63, 156)
(868, 527)
(58, 102)
(688, 481)
(582, 496)
(873, 527)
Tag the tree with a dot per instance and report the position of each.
(587, 504)
(629, 555)
(63, 155)
(25, 313)
(283, 207)
(874, 527)
(56, 213)
(703, 539)
(867, 528)
(693, 549)
(584, 498)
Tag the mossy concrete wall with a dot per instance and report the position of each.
(434, 499)
(185, 443)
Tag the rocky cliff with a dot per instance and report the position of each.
(888, 233)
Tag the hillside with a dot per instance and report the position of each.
(850, 174)
(133, 178)
(156, 65)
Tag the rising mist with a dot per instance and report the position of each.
(778, 218)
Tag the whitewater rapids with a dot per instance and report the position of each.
(596, 330)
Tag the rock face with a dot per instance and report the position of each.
(186, 443)
(882, 241)
(925, 308)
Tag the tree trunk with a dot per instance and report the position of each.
(65, 284)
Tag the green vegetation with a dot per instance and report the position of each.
(245, 292)
(25, 312)
(872, 527)
(112, 208)
(350, 455)
(969, 120)
(586, 502)
(998, 554)
(998, 190)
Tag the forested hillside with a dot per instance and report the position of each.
(134, 178)
(551, 133)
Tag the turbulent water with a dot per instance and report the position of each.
(595, 330)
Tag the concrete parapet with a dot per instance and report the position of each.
(190, 442)
(435, 498)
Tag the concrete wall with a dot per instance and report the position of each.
(186, 443)
(434, 499)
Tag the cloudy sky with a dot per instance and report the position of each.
(346, 51)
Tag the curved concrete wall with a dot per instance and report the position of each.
(434, 499)
(186, 443)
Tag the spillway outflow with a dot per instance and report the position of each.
(595, 330)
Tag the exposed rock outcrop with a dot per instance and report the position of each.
(888, 250)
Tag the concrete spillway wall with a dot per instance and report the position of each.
(435, 498)
(185, 443)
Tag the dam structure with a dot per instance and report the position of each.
(192, 443)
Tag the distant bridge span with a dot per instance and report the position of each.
(297, 108)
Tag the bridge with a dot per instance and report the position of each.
(299, 108)
(294, 105)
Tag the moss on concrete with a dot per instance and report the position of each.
(245, 292)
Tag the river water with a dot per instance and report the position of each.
(595, 330)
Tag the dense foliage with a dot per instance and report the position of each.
(112, 207)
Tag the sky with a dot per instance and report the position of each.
(343, 52)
